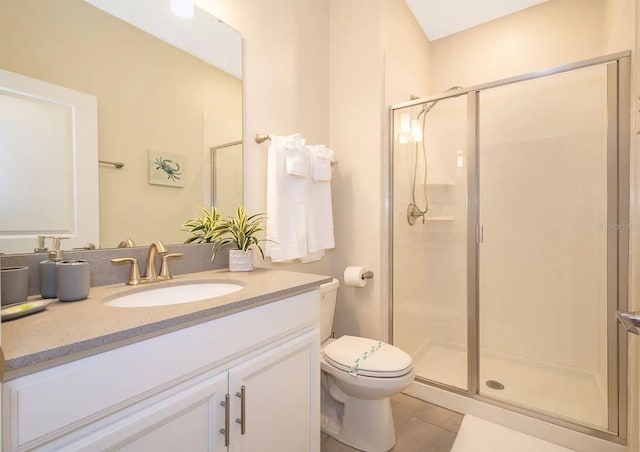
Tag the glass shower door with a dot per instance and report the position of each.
(544, 200)
(429, 251)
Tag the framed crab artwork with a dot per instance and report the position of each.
(166, 168)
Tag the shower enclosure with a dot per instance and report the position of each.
(505, 290)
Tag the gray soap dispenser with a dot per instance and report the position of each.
(48, 287)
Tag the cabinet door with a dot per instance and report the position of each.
(282, 403)
(189, 418)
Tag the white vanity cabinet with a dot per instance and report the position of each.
(271, 416)
(165, 393)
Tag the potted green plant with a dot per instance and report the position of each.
(204, 229)
(241, 231)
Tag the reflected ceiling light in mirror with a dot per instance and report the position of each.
(416, 130)
(194, 36)
(182, 8)
(405, 128)
(405, 123)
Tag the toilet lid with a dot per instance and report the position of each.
(362, 356)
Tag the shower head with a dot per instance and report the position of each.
(426, 108)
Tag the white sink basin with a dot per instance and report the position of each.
(168, 295)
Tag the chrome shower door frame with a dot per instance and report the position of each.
(618, 205)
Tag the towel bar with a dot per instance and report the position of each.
(118, 165)
(262, 137)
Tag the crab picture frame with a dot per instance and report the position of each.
(166, 168)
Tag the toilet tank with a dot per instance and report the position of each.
(328, 292)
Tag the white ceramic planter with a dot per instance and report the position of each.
(239, 261)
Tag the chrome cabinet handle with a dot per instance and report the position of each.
(226, 430)
(630, 320)
(243, 399)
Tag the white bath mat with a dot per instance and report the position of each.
(478, 435)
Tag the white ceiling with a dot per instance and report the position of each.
(440, 18)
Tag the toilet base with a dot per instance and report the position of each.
(366, 425)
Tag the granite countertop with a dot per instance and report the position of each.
(67, 331)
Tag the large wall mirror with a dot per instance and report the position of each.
(168, 89)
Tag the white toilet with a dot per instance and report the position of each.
(358, 377)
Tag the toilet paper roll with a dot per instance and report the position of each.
(354, 276)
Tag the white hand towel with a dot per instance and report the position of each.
(320, 211)
(286, 204)
(297, 160)
(313, 257)
(321, 159)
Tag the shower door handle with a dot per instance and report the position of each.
(630, 320)
(479, 233)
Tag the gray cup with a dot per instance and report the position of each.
(14, 285)
(73, 278)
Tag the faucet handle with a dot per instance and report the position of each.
(134, 274)
(164, 267)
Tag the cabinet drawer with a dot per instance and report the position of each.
(56, 401)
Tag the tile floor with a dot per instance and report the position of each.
(420, 427)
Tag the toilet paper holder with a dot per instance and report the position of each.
(367, 275)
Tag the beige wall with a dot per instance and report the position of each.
(150, 96)
(547, 35)
(302, 78)
(406, 55)
(286, 86)
(356, 93)
(619, 25)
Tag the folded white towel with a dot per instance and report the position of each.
(299, 210)
(321, 158)
(297, 160)
(313, 257)
(320, 211)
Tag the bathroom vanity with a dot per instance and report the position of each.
(238, 372)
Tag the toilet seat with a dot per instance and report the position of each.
(367, 357)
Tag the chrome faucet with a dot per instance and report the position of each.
(157, 247)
